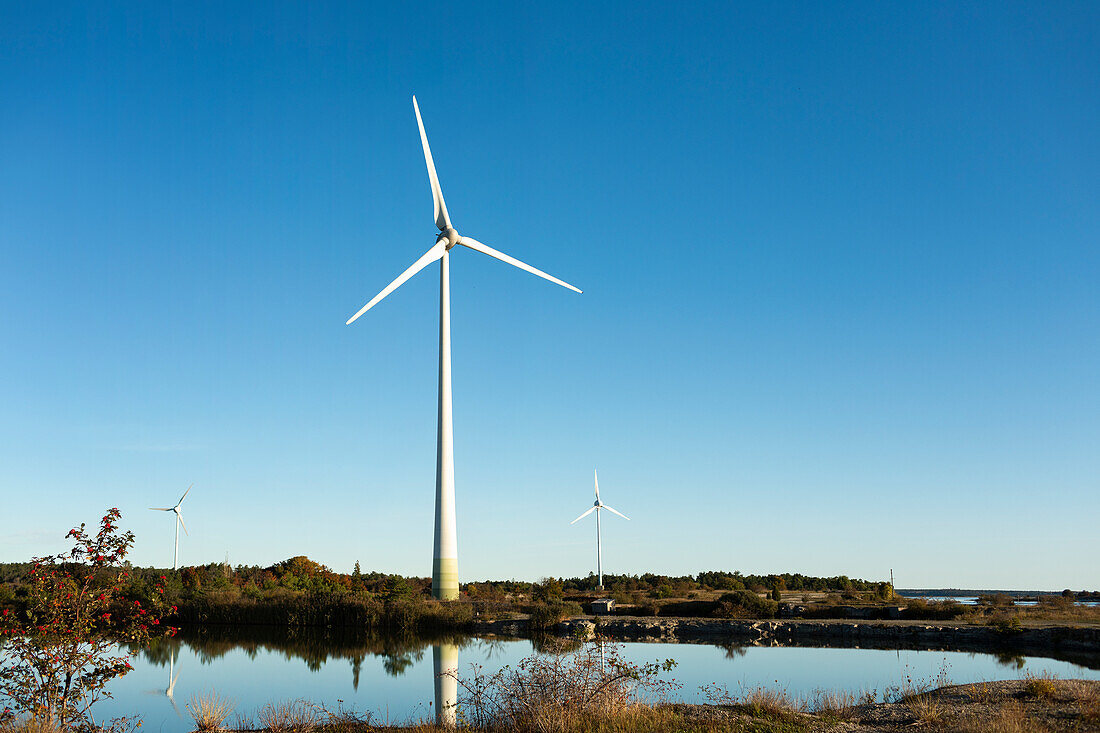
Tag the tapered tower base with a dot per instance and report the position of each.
(445, 579)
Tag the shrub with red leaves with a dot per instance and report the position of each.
(61, 652)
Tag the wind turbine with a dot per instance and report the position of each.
(445, 555)
(596, 507)
(179, 523)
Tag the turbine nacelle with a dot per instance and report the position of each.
(448, 235)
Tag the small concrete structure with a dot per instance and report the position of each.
(603, 606)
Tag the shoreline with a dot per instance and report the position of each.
(1078, 644)
(1043, 704)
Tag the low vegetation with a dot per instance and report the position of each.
(209, 711)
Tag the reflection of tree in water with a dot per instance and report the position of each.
(548, 644)
(1008, 659)
(491, 648)
(396, 664)
(314, 646)
(733, 651)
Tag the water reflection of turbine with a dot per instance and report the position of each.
(445, 664)
(173, 677)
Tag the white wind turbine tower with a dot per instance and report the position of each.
(179, 523)
(445, 556)
(596, 507)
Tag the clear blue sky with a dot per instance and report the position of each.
(840, 263)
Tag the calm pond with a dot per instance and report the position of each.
(394, 678)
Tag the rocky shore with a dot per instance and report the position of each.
(1080, 644)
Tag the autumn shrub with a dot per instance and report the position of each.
(1005, 623)
(744, 604)
(1040, 685)
(62, 648)
(546, 615)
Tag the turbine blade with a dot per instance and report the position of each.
(160, 509)
(597, 477)
(583, 515)
(180, 517)
(605, 506)
(441, 219)
(428, 258)
(184, 495)
(485, 249)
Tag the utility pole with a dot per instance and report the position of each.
(891, 584)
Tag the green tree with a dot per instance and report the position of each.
(548, 590)
(394, 589)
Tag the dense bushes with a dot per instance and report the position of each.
(744, 604)
(325, 610)
(918, 608)
(546, 615)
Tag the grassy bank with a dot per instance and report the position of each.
(1032, 705)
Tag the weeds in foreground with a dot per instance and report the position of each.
(1086, 699)
(1008, 718)
(209, 711)
(292, 716)
(1040, 685)
(558, 692)
(920, 697)
(981, 692)
(759, 702)
(838, 705)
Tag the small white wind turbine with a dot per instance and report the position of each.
(596, 507)
(179, 523)
(445, 556)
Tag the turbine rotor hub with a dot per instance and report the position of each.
(450, 236)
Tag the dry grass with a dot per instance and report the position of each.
(1040, 685)
(982, 692)
(837, 705)
(1008, 718)
(294, 716)
(1086, 698)
(921, 698)
(209, 711)
(771, 702)
(28, 725)
(926, 707)
(561, 692)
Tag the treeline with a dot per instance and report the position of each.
(300, 575)
(301, 592)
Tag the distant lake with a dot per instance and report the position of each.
(973, 600)
(394, 677)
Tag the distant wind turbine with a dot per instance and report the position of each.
(445, 555)
(596, 507)
(179, 523)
